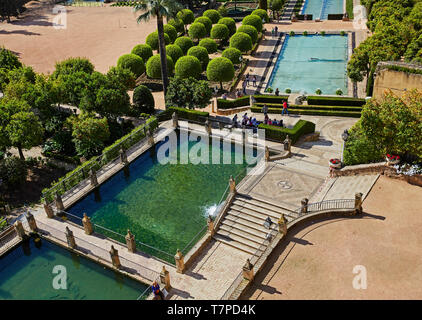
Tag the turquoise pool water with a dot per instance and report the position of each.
(321, 8)
(164, 205)
(26, 273)
(311, 62)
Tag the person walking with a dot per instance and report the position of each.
(156, 289)
(285, 110)
(277, 92)
(276, 30)
(254, 81)
(247, 78)
(264, 110)
(244, 87)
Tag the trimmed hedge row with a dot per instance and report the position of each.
(306, 107)
(230, 104)
(277, 133)
(351, 114)
(266, 98)
(335, 101)
(184, 113)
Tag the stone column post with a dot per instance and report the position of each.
(267, 154)
(213, 105)
(48, 209)
(150, 138)
(31, 222)
(282, 225)
(59, 202)
(304, 203)
(248, 270)
(208, 126)
(86, 221)
(175, 119)
(210, 223)
(93, 177)
(70, 238)
(20, 231)
(123, 157)
(232, 185)
(114, 255)
(287, 144)
(180, 262)
(130, 242)
(358, 203)
(165, 279)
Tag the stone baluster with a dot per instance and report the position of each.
(180, 262)
(304, 205)
(267, 154)
(165, 278)
(114, 255)
(20, 231)
(282, 225)
(130, 242)
(70, 238)
(210, 223)
(86, 221)
(232, 185)
(287, 143)
(93, 177)
(48, 209)
(358, 203)
(31, 222)
(59, 202)
(123, 157)
(175, 119)
(248, 270)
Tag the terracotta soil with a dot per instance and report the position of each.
(317, 261)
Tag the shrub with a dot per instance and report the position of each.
(288, 90)
(206, 22)
(292, 33)
(233, 55)
(186, 16)
(9, 60)
(269, 98)
(220, 31)
(154, 66)
(177, 24)
(230, 23)
(305, 33)
(143, 50)
(222, 11)
(208, 44)
(318, 91)
(335, 101)
(188, 93)
(189, 114)
(197, 31)
(254, 21)
(143, 100)
(342, 33)
(152, 40)
(188, 66)
(174, 52)
(339, 92)
(171, 32)
(201, 54)
(213, 15)
(241, 41)
(220, 69)
(278, 133)
(230, 104)
(322, 33)
(132, 62)
(184, 43)
(249, 30)
(13, 171)
(262, 14)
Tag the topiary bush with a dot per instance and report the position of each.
(174, 52)
(220, 31)
(201, 54)
(171, 32)
(132, 62)
(197, 31)
(188, 66)
(154, 66)
(13, 171)
(249, 30)
(186, 16)
(254, 21)
(233, 55)
(220, 69)
(230, 23)
(143, 100)
(208, 44)
(262, 14)
(213, 15)
(143, 50)
(222, 10)
(305, 33)
(206, 22)
(177, 24)
(152, 40)
(184, 43)
(241, 41)
(291, 33)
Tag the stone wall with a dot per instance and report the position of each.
(398, 82)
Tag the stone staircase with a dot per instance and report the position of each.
(243, 225)
(288, 11)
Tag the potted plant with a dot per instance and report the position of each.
(288, 90)
(392, 159)
(335, 163)
(318, 91)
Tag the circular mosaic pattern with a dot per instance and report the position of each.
(284, 184)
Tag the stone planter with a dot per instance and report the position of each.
(392, 162)
(335, 165)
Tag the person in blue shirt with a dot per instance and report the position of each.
(156, 289)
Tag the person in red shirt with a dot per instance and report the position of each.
(285, 110)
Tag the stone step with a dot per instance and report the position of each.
(232, 224)
(251, 244)
(242, 233)
(253, 212)
(267, 207)
(234, 244)
(248, 221)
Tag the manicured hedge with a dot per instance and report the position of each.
(197, 31)
(188, 66)
(171, 32)
(208, 44)
(266, 98)
(132, 62)
(184, 113)
(186, 16)
(254, 21)
(232, 54)
(241, 41)
(178, 24)
(152, 40)
(202, 54)
(351, 114)
(184, 43)
(262, 13)
(174, 52)
(301, 128)
(220, 31)
(230, 23)
(230, 104)
(213, 15)
(154, 66)
(335, 101)
(249, 30)
(206, 22)
(143, 50)
(309, 107)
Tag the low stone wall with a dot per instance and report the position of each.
(227, 112)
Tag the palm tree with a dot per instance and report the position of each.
(159, 9)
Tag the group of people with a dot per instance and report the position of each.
(246, 121)
(274, 31)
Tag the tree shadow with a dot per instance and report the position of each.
(23, 32)
(180, 293)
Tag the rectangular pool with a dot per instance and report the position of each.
(26, 273)
(307, 63)
(164, 205)
(320, 9)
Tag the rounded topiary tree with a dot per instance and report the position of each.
(220, 31)
(184, 43)
(152, 40)
(230, 23)
(188, 66)
(233, 54)
(222, 10)
(154, 66)
(186, 16)
(250, 31)
(174, 52)
(142, 50)
(132, 62)
(220, 69)
(197, 31)
(171, 32)
(208, 44)
(143, 100)
(213, 15)
(241, 41)
(201, 54)
(177, 24)
(262, 14)
(254, 21)
(206, 22)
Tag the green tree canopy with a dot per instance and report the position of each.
(220, 70)
(188, 93)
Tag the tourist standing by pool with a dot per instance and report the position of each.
(285, 108)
